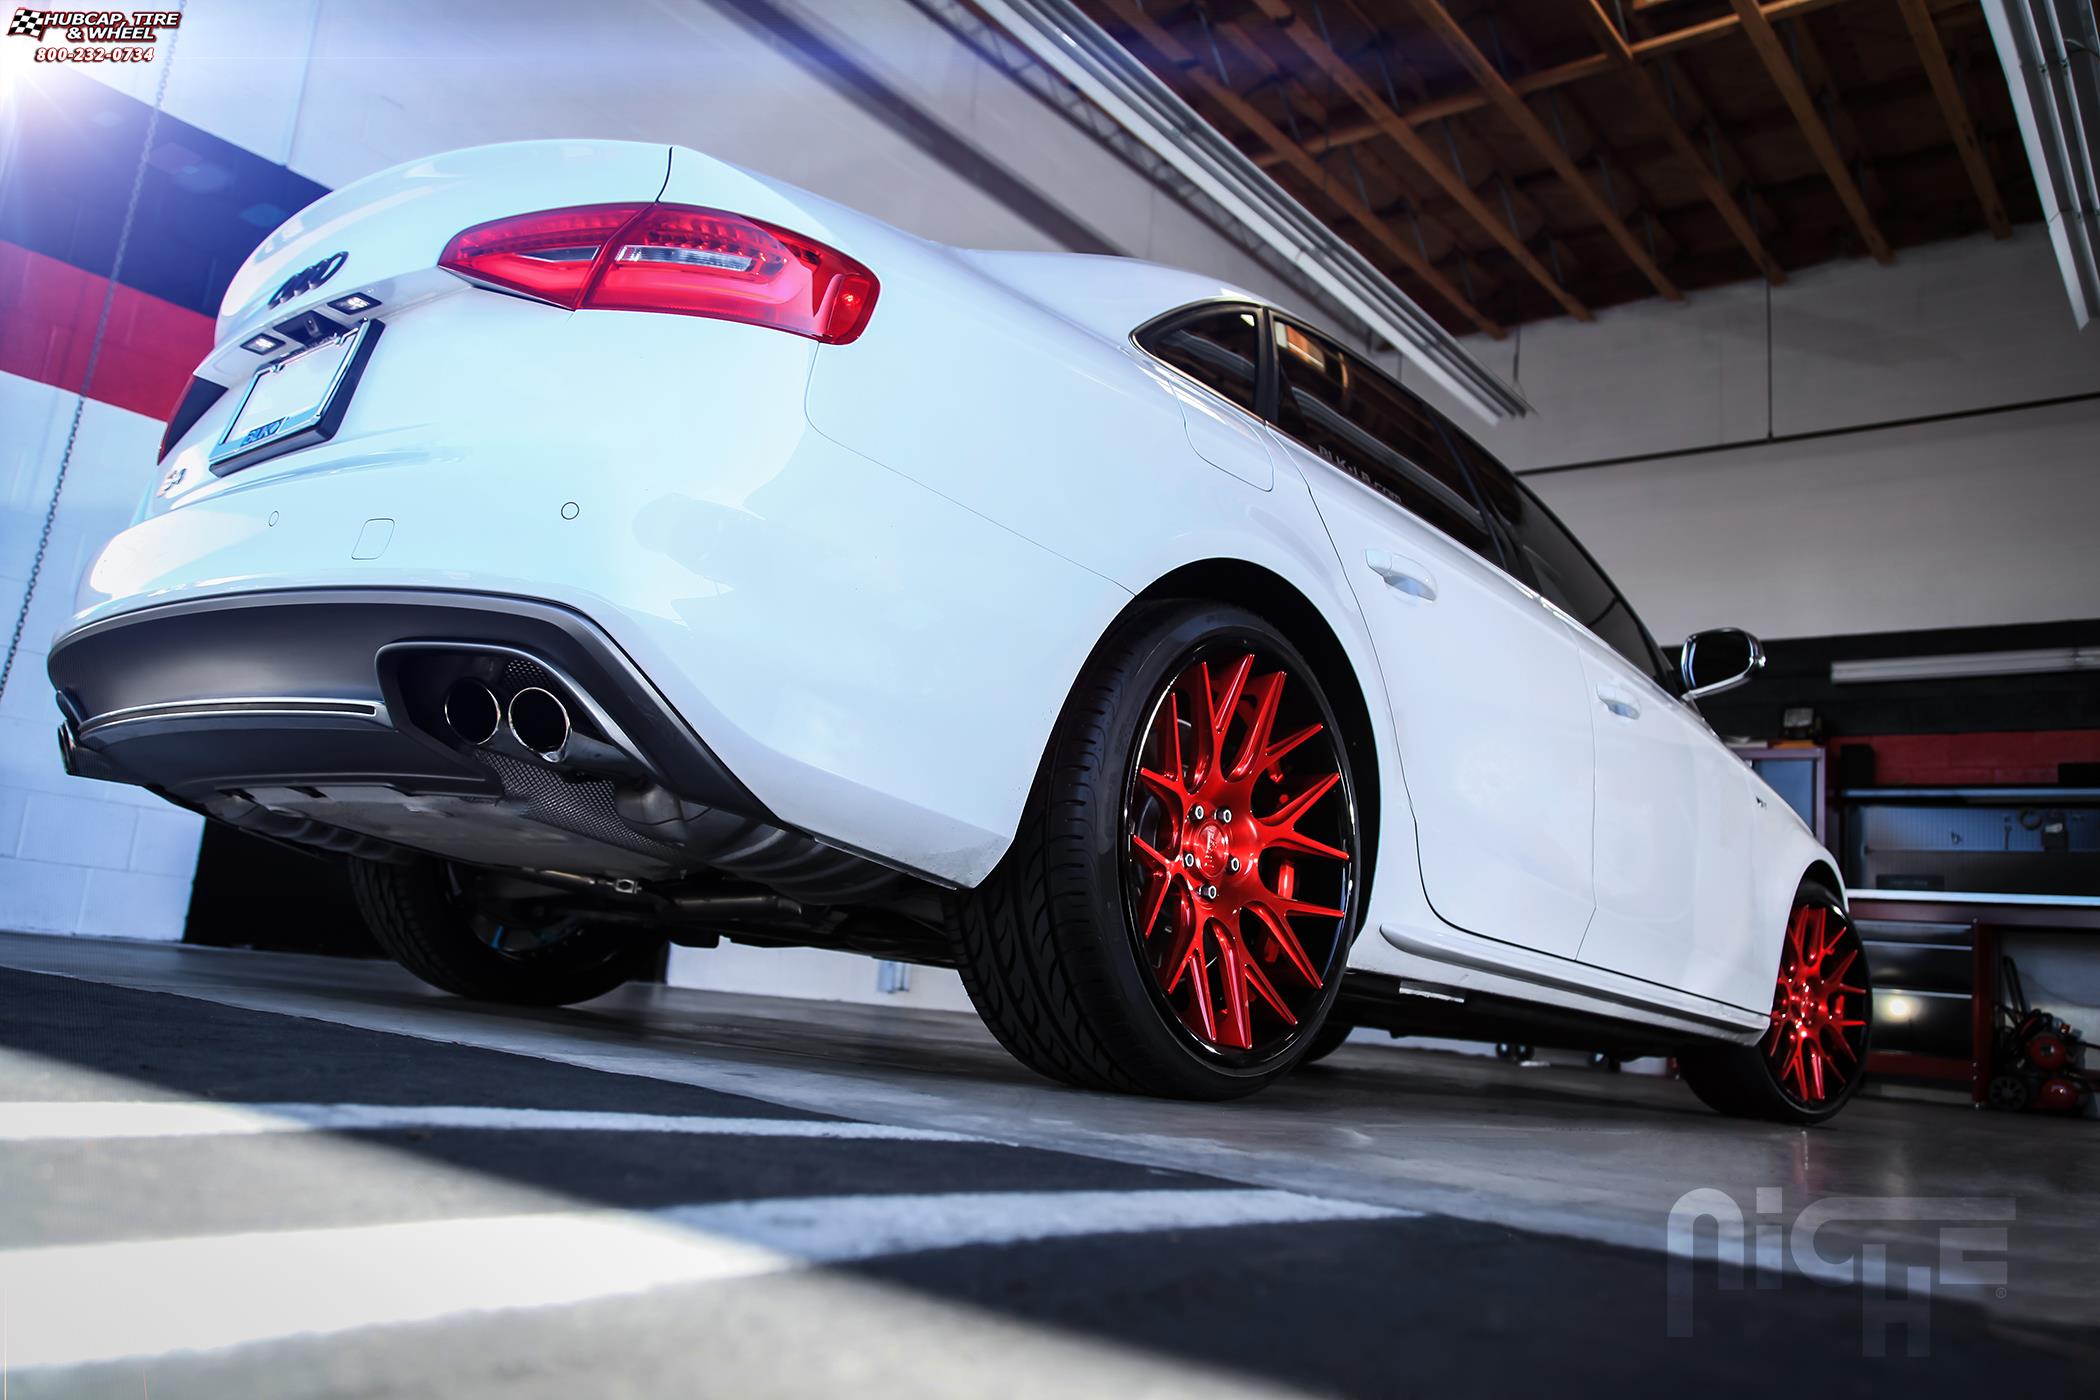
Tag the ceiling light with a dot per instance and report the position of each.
(1975, 663)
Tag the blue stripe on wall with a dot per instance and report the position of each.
(204, 204)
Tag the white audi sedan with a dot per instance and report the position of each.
(600, 544)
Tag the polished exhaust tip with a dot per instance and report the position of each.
(540, 722)
(472, 711)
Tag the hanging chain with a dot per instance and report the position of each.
(87, 378)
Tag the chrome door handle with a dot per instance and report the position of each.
(1618, 703)
(1402, 573)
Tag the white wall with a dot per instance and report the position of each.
(75, 856)
(813, 972)
(1781, 492)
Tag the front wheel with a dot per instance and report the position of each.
(425, 915)
(1812, 1057)
(1178, 903)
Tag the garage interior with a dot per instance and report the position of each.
(1796, 294)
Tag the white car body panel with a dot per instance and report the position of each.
(1673, 858)
(867, 575)
(1486, 688)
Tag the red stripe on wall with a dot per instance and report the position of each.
(1970, 760)
(48, 312)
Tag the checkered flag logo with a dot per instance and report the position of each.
(29, 24)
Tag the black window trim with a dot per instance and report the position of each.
(1170, 321)
(1659, 669)
(1272, 398)
(1268, 403)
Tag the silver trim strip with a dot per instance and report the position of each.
(233, 707)
(1528, 965)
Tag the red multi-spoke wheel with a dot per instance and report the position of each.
(1819, 1018)
(1240, 851)
(1175, 910)
(1813, 1053)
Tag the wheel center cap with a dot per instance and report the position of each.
(1211, 844)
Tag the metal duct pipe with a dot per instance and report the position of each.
(1082, 53)
(2051, 53)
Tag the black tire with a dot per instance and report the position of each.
(1047, 945)
(1745, 1081)
(1328, 1039)
(421, 916)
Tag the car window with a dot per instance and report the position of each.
(1366, 424)
(1560, 567)
(1221, 349)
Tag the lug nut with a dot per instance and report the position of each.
(1188, 858)
(1233, 865)
(1210, 891)
(1197, 814)
(1225, 815)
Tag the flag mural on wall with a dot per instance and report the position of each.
(71, 157)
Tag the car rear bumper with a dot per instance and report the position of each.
(306, 686)
(873, 663)
(319, 715)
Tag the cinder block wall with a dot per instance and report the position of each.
(75, 857)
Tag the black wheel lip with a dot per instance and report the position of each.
(1217, 1058)
(1831, 1105)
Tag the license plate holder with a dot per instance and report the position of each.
(296, 402)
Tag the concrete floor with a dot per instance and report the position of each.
(1474, 1224)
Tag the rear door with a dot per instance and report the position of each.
(1486, 685)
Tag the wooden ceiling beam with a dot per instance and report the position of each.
(1293, 93)
(1527, 124)
(1738, 220)
(1682, 90)
(1573, 71)
(1412, 144)
(1832, 101)
(1245, 112)
(1757, 27)
(1948, 92)
(1454, 38)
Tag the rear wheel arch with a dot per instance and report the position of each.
(1820, 872)
(1269, 594)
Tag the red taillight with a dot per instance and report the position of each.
(194, 403)
(674, 258)
(549, 255)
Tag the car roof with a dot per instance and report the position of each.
(1109, 296)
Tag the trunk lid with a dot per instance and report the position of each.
(380, 237)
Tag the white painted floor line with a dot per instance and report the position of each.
(76, 1304)
(838, 1229)
(58, 1120)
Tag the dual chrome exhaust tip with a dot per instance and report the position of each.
(536, 719)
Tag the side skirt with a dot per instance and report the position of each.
(1698, 1015)
(1403, 1007)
